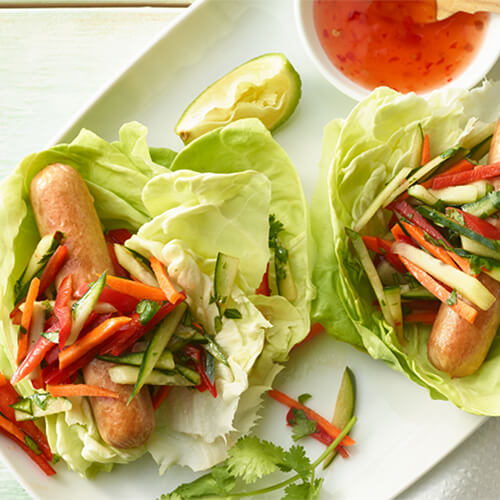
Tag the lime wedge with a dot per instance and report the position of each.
(267, 87)
(344, 407)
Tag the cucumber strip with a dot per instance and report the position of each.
(82, 308)
(51, 405)
(484, 207)
(156, 346)
(388, 274)
(447, 222)
(43, 251)
(382, 199)
(123, 374)
(456, 195)
(371, 272)
(165, 361)
(480, 150)
(478, 249)
(393, 295)
(226, 269)
(286, 285)
(344, 407)
(134, 266)
(415, 293)
(191, 375)
(422, 194)
(426, 170)
(466, 285)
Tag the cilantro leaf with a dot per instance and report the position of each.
(297, 460)
(146, 309)
(218, 482)
(232, 313)
(452, 299)
(304, 397)
(301, 425)
(250, 458)
(297, 491)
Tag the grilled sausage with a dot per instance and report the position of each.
(61, 201)
(455, 346)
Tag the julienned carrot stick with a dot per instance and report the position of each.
(135, 288)
(419, 236)
(11, 428)
(462, 263)
(327, 426)
(70, 390)
(22, 348)
(426, 151)
(90, 340)
(166, 285)
(427, 281)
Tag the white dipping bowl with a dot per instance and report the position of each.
(485, 58)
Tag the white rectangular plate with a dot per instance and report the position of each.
(400, 432)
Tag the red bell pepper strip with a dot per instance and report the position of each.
(54, 265)
(160, 395)
(405, 210)
(462, 166)
(119, 236)
(40, 460)
(264, 284)
(480, 226)
(135, 330)
(32, 360)
(327, 426)
(62, 309)
(198, 357)
(315, 330)
(477, 174)
(320, 435)
(9, 396)
(383, 247)
(123, 303)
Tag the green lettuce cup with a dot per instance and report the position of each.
(218, 194)
(360, 156)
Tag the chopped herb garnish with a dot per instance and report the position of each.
(40, 399)
(32, 445)
(280, 252)
(452, 299)
(301, 425)
(146, 309)
(304, 397)
(232, 314)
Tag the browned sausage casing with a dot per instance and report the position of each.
(61, 202)
(455, 346)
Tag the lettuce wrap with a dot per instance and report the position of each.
(360, 156)
(216, 195)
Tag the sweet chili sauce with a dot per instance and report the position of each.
(377, 43)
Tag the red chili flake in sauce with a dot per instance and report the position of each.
(377, 42)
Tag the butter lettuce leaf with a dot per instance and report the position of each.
(360, 155)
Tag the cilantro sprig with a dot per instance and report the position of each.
(250, 459)
(280, 252)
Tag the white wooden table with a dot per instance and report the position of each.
(52, 61)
